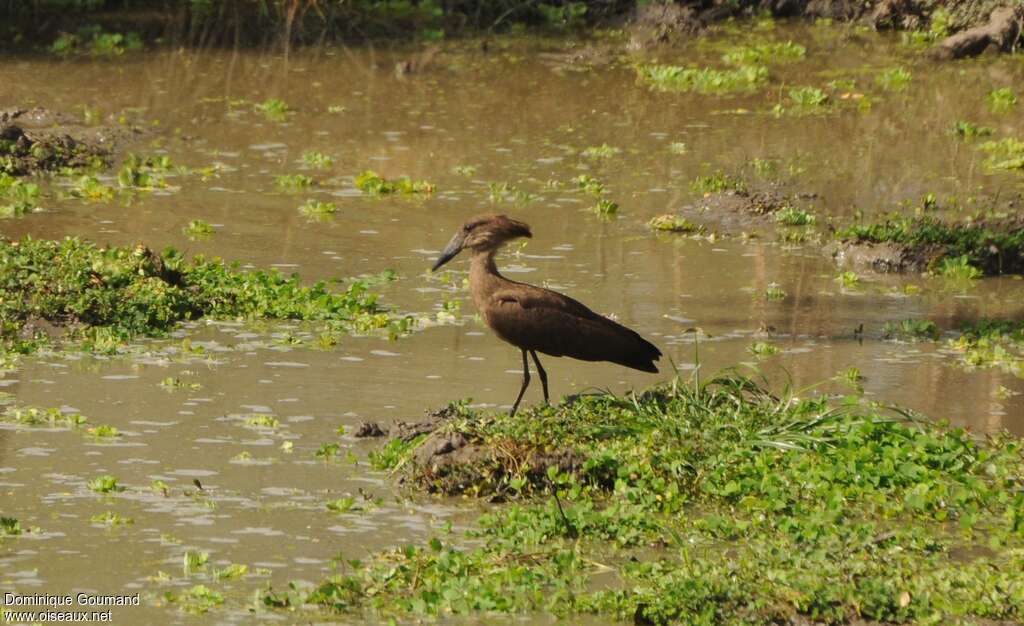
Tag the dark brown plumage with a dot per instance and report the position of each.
(535, 319)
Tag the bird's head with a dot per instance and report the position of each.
(482, 233)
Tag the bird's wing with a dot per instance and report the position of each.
(539, 319)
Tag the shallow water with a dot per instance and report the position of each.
(516, 113)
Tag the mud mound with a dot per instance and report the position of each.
(40, 140)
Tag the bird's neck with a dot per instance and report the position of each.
(484, 277)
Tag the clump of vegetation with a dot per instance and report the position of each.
(713, 502)
(605, 208)
(105, 484)
(792, 216)
(198, 229)
(703, 80)
(369, 182)
(144, 172)
(1005, 154)
(274, 109)
(893, 79)
(16, 196)
(89, 187)
(674, 224)
(808, 98)
(107, 295)
(774, 292)
(197, 599)
(10, 527)
(604, 151)
(763, 349)
(848, 279)
(318, 209)
(939, 26)
(717, 183)
(958, 268)
(1001, 100)
(990, 246)
(911, 330)
(992, 343)
(589, 185)
(969, 130)
(294, 182)
(317, 160)
(93, 39)
(765, 53)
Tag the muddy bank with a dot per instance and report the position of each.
(446, 455)
(902, 244)
(40, 140)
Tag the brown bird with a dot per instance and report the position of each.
(535, 319)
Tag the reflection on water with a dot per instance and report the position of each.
(470, 120)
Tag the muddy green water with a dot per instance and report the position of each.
(516, 113)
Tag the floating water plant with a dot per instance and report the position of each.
(9, 527)
(958, 268)
(317, 160)
(911, 330)
(674, 224)
(848, 279)
(763, 349)
(677, 147)
(369, 182)
(706, 80)
(893, 79)
(604, 151)
(1004, 154)
(318, 209)
(198, 229)
(774, 292)
(293, 182)
(110, 518)
(1001, 100)
(16, 196)
(274, 109)
(89, 187)
(98, 294)
(198, 599)
(588, 184)
(992, 343)
(606, 208)
(969, 130)
(792, 216)
(808, 98)
(764, 54)
(105, 484)
(717, 183)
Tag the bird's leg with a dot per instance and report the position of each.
(526, 383)
(543, 374)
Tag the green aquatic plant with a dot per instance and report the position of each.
(104, 431)
(317, 160)
(792, 216)
(262, 421)
(105, 484)
(605, 208)
(35, 416)
(764, 54)
(848, 279)
(274, 110)
(94, 40)
(703, 80)
(106, 295)
(674, 224)
(604, 151)
(465, 170)
(1001, 100)
(198, 229)
(88, 187)
(893, 79)
(717, 501)
(1004, 154)
(939, 27)
(9, 527)
(294, 182)
(16, 196)
(563, 16)
(958, 268)
(911, 330)
(318, 209)
(774, 292)
(808, 98)
(677, 147)
(763, 349)
(969, 130)
(197, 599)
(370, 183)
(992, 343)
(717, 183)
(110, 518)
(589, 185)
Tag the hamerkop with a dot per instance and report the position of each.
(535, 319)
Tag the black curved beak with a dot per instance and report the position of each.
(450, 251)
